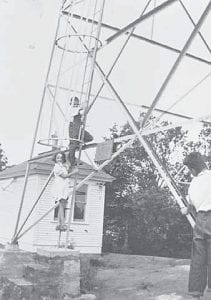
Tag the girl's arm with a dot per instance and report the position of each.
(70, 174)
(59, 171)
(74, 172)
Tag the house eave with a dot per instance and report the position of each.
(47, 172)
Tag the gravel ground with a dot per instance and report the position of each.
(133, 277)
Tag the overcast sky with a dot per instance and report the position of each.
(27, 29)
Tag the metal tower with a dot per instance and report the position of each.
(71, 72)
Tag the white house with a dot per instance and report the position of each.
(86, 229)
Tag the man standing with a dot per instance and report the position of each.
(75, 125)
(200, 197)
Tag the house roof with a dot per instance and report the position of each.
(44, 165)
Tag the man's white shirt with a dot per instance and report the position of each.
(200, 191)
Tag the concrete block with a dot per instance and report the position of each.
(57, 252)
(64, 266)
(71, 267)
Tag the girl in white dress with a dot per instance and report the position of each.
(61, 186)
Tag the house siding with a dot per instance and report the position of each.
(86, 236)
(10, 197)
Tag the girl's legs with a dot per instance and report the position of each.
(61, 212)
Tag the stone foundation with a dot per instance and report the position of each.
(48, 274)
(64, 267)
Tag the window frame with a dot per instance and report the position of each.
(56, 212)
(81, 221)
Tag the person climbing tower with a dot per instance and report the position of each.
(77, 112)
(61, 187)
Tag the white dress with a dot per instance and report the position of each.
(61, 186)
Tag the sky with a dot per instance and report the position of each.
(27, 29)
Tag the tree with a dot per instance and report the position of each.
(3, 160)
(140, 216)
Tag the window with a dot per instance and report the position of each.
(80, 204)
(79, 207)
(56, 212)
